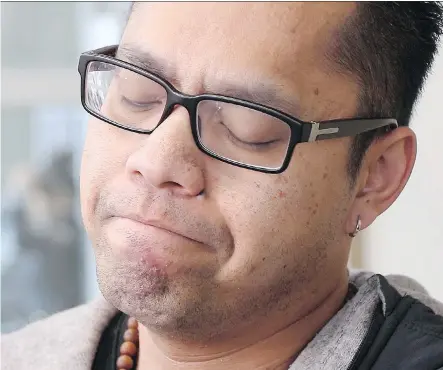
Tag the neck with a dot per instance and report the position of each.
(276, 349)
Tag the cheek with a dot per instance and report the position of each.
(103, 159)
(278, 218)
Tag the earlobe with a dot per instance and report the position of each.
(387, 167)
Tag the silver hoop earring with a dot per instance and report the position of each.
(357, 228)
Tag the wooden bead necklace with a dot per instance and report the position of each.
(129, 348)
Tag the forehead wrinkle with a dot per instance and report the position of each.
(252, 89)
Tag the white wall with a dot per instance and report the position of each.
(408, 237)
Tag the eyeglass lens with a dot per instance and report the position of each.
(228, 130)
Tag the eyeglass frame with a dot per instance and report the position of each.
(301, 131)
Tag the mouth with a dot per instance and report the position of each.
(173, 231)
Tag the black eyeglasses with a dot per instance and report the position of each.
(235, 131)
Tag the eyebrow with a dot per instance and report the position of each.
(261, 92)
(145, 60)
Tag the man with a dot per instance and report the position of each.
(234, 150)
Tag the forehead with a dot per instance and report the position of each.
(239, 42)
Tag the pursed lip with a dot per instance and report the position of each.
(163, 226)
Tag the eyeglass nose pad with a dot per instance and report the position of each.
(166, 113)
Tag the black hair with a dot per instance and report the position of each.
(389, 48)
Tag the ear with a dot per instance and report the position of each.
(384, 174)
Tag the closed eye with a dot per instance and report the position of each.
(140, 104)
(251, 144)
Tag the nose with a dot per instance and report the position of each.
(168, 158)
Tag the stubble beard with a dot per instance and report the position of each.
(190, 306)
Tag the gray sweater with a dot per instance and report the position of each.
(68, 340)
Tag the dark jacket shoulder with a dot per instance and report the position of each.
(405, 334)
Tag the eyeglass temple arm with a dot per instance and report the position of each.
(314, 131)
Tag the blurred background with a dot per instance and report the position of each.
(47, 263)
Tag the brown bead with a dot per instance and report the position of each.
(132, 323)
(125, 362)
(131, 335)
(128, 348)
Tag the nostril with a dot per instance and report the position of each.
(138, 178)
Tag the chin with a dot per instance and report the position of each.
(124, 282)
(144, 293)
(168, 307)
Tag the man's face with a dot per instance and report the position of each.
(244, 244)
